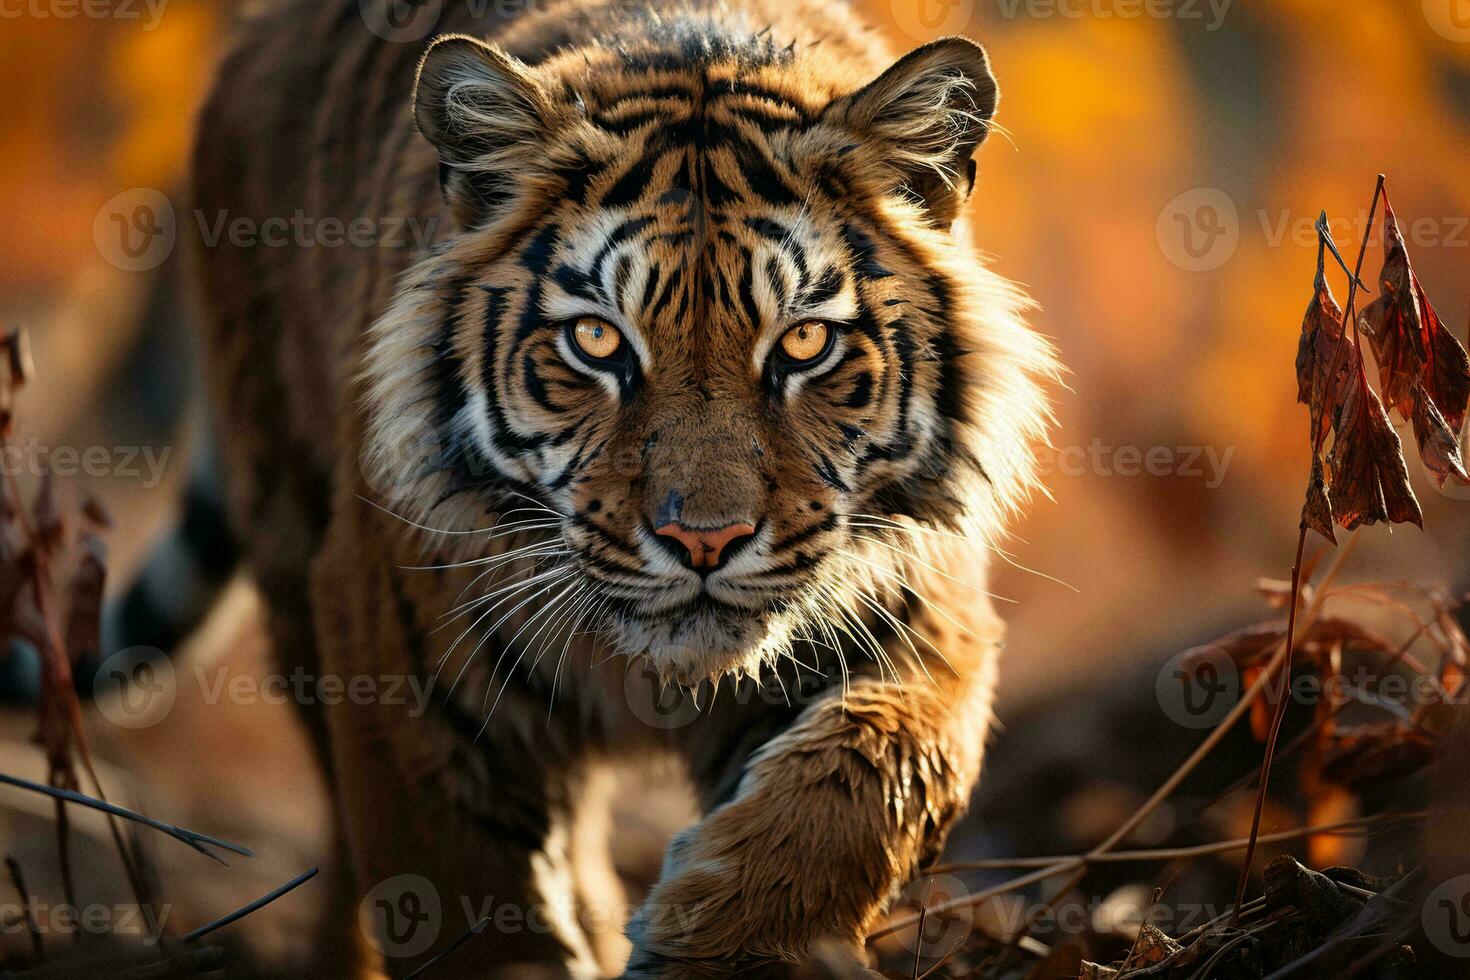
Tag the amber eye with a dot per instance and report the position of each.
(597, 338)
(805, 341)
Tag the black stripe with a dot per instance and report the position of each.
(864, 253)
(762, 177)
(534, 385)
(622, 233)
(825, 288)
(505, 439)
(630, 186)
(805, 534)
(828, 474)
(663, 296)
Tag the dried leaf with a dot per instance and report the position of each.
(1367, 475)
(15, 571)
(1152, 947)
(1439, 446)
(84, 612)
(1317, 511)
(1367, 755)
(1422, 367)
(94, 511)
(46, 512)
(1317, 354)
(1364, 479)
(1252, 646)
(1311, 893)
(16, 367)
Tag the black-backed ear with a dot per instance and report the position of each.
(925, 116)
(489, 118)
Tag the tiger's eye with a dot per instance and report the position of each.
(597, 338)
(805, 341)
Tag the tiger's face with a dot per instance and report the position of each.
(710, 312)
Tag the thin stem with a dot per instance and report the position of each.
(1277, 716)
(193, 839)
(17, 879)
(1078, 866)
(261, 902)
(1279, 713)
(469, 933)
(1180, 853)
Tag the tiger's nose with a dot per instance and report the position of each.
(706, 547)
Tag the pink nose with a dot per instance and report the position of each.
(706, 546)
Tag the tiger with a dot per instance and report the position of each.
(684, 438)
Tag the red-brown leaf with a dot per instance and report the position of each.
(1367, 478)
(1317, 353)
(1422, 367)
(84, 610)
(1317, 511)
(1439, 447)
(1372, 754)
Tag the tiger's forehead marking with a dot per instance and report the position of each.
(697, 228)
(669, 276)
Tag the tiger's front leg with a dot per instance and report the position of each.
(830, 819)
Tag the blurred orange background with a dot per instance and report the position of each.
(1155, 188)
(1130, 128)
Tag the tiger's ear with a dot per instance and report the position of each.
(487, 115)
(924, 117)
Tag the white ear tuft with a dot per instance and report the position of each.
(927, 114)
(487, 115)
